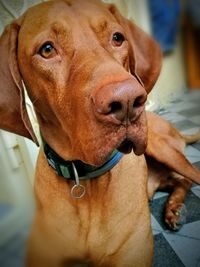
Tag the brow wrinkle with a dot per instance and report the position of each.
(60, 28)
(101, 26)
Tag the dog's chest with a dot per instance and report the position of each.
(108, 216)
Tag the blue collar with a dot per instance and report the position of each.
(65, 169)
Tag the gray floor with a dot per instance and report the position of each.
(182, 248)
(172, 249)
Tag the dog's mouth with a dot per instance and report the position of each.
(126, 146)
(105, 139)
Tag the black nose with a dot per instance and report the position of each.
(119, 102)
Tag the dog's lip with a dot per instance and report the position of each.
(126, 146)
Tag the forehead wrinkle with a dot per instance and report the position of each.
(45, 14)
(100, 26)
(42, 16)
(61, 29)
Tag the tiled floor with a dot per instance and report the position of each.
(172, 249)
(182, 248)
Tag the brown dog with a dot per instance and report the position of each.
(87, 71)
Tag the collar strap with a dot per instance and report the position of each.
(65, 169)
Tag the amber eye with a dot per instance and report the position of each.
(117, 39)
(47, 50)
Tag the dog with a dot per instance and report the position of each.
(87, 71)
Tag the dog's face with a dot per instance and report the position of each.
(87, 71)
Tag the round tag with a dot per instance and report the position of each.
(78, 191)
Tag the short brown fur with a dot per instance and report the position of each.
(72, 92)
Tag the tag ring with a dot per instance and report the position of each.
(78, 190)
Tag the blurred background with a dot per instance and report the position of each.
(175, 24)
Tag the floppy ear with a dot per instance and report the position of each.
(13, 114)
(145, 55)
(163, 147)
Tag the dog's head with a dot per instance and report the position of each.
(87, 71)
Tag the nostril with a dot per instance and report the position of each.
(120, 104)
(115, 107)
(139, 101)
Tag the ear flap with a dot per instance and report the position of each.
(13, 114)
(144, 54)
(163, 147)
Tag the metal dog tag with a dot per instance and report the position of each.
(78, 190)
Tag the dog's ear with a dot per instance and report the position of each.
(145, 55)
(13, 113)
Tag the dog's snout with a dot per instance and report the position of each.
(119, 102)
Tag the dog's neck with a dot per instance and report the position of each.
(84, 171)
(77, 170)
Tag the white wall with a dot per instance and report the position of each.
(15, 187)
(172, 80)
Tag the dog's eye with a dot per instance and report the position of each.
(47, 50)
(117, 39)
